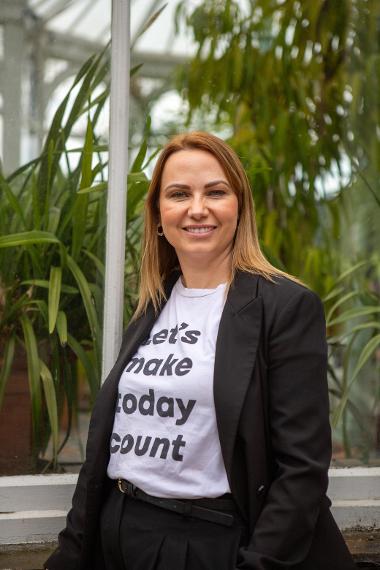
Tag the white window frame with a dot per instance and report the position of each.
(34, 507)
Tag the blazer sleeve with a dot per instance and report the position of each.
(68, 554)
(300, 436)
(70, 539)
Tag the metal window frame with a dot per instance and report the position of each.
(117, 184)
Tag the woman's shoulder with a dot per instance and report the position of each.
(283, 292)
(282, 286)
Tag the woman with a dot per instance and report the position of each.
(209, 443)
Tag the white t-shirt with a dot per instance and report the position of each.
(165, 438)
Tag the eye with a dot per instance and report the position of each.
(178, 194)
(217, 192)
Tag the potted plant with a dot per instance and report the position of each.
(53, 217)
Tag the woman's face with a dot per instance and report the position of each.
(198, 208)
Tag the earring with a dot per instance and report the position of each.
(158, 231)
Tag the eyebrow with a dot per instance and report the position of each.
(186, 187)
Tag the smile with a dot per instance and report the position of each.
(199, 229)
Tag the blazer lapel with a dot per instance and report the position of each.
(235, 355)
(103, 413)
(138, 330)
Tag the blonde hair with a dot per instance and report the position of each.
(158, 255)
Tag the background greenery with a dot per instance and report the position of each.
(294, 88)
(52, 216)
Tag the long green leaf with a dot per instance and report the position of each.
(91, 373)
(340, 301)
(36, 201)
(51, 404)
(58, 134)
(83, 95)
(88, 304)
(27, 238)
(33, 374)
(334, 293)
(135, 174)
(79, 149)
(354, 313)
(365, 355)
(135, 69)
(352, 269)
(13, 201)
(62, 327)
(97, 262)
(135, 198)
(22, 169)
(54, 295)
(50, 157)
(45, 285)
(41, 306)
(9, 351)
(367, 351)
(54, 217)
(362, 326)
(150, 21)
(97, 188)
(139, 160)
(81, 202)
(137, 177)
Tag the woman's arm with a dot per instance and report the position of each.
(300, 436)
(68, 553)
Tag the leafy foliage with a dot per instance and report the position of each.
(295, 85)
(53, 220)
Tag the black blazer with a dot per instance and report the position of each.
(272, 410)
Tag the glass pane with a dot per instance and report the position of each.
(54, 141)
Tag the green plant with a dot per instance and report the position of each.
(53, 217)
(353, 322)
(294, 86)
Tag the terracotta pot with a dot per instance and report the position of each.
(16, 453)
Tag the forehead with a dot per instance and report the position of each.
(190, 163)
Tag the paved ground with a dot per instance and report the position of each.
(365, 547)
(24, 557)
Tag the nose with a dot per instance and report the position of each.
(198, 207)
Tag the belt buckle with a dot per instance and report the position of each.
(126, 487)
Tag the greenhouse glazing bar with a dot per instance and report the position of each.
(117, 184)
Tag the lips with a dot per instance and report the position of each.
(199, 229)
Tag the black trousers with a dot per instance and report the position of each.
(139, 536)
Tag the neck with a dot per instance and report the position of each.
(205, 275)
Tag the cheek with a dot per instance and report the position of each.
(230, 214)
(171, 213)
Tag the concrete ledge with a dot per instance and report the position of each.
(31, 526)
(357, 514)
(358, 483)
(29, 492)
(33, 507)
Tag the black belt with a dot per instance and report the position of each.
(198, 508)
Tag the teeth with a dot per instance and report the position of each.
(200, 230)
